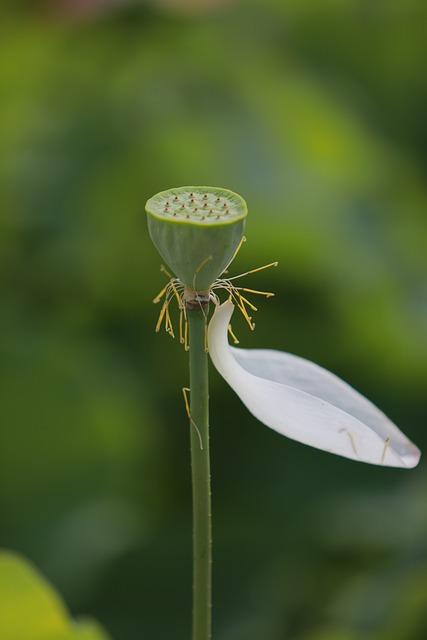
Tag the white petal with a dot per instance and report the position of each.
(305, 402)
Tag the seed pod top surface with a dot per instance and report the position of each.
(196, 230)
(198, 205)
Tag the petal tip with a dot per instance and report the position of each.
(228, 304)
(411, 458)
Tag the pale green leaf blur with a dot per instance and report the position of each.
(31, 610)
(314, 111)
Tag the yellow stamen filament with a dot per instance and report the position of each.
(268, 294)
(248, 302)
(168, 323)
(175, 289)
(164, 270)
(247, 317)
(186, 345)
(230, 331)
(187, 408)
(181, 327)
(160, 295)
(161, 314)
(352, 439)
(235, 253)
(187, 405)
(247, 273)
(200, 267)
(386, 443)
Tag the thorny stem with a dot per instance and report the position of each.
(192, 333)
(200, 466)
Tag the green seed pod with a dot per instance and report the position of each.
(196, 230)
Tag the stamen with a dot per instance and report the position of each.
(249, 303)
(268, 294)
(230, 331)
(386, 443)
(187, 407)
(352, 439)
(235, 253)
(174, 289)
(186, 345)
(164, 270)
(168, 323)
(246, 273)
(242, 308)
(161, 314)
(187, 404)
(181, 322)
(200, 267)
(160, 295)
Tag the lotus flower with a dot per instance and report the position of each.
(307, 403)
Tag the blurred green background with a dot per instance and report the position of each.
(313, 110)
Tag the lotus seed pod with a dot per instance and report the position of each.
(196, 230)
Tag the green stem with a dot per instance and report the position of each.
(200, 466)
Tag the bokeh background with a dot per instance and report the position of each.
(313, 110)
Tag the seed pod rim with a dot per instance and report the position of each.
(235, 217)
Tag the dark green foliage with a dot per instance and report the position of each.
(315, 112)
